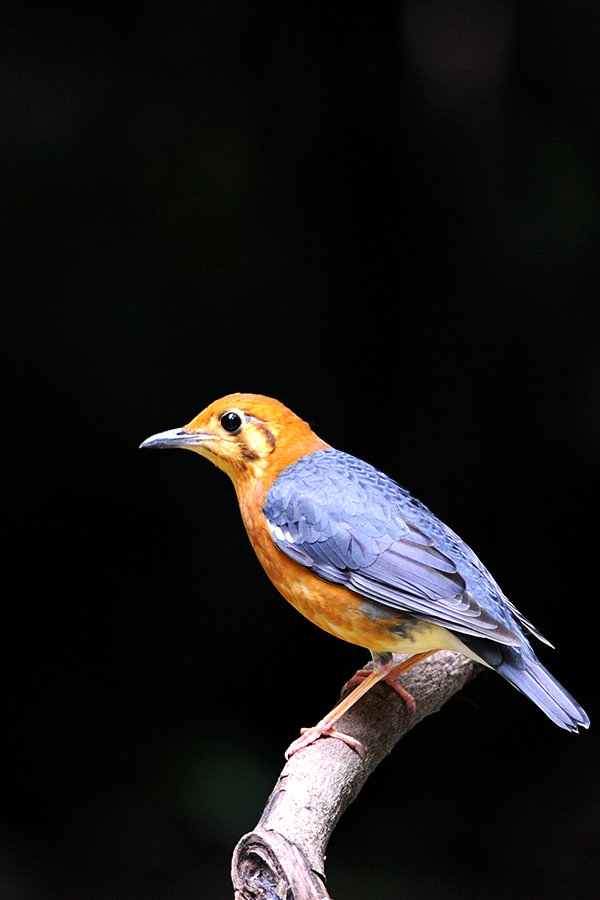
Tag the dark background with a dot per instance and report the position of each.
(388, 219)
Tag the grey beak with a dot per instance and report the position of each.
(167, 440)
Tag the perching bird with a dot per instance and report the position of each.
(361, 557)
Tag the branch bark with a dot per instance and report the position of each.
(284, 856)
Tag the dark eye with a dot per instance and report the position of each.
(231, 422)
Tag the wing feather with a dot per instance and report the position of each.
(353, 525)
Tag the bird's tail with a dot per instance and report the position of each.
(539, 685)
(525, 672)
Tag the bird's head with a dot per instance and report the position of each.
(244, 434)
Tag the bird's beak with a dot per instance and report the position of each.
(175, 437)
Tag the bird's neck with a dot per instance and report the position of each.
(254, 479)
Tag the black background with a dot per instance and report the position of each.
(388, 219)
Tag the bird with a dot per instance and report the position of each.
(362, 558)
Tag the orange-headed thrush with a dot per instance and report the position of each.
(361, 557)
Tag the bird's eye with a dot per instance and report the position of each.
(231, 422)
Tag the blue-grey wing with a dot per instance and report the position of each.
(353, 525)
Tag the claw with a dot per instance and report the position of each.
(310, 735)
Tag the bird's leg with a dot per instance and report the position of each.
(325, 728)
(365, 679)
(392, 676)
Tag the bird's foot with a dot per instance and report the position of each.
(309, 735)
(363, 681)
(355, 681)
(390, 675)
(390, 679)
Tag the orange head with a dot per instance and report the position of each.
(246, 435)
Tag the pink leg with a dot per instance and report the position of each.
(391, 677)
(362, 682)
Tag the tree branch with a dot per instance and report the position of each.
(284, 856)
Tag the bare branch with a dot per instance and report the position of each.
(284, 856)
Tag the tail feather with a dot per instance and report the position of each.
(525, 672)
(539, 685)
